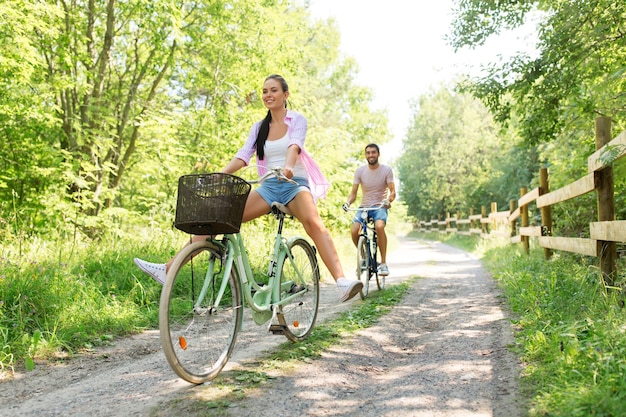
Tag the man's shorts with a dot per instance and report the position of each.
(380, 214)
(273, 190)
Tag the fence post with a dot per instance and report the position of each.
(546, 211)
(525, 222)
(606, 203)
(493, 225)
(511, 210)
(483, 214)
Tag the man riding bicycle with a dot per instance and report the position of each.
(376, 181)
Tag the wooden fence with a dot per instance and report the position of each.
(604, 234)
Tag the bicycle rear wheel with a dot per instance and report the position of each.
(198, 336)
(363, 266)
(299, 274)
(380, 279)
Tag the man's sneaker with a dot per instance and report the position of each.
(349, 288)
(383, 270)
(156, 271)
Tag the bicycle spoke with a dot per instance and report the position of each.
(301, 276)
(198, 335)
(363, 265)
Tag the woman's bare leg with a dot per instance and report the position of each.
(303, 208)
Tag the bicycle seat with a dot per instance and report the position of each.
(281, 207)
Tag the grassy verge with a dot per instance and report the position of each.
(217, 398)
(60, 298)
(570, 330)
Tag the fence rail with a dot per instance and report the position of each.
(515, 225)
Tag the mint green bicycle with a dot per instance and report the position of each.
(209, 282)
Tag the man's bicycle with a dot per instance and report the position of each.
(367, 252)
(209, 282)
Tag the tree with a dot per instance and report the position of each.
(26, 155)
(118, 99)
(449, 155)
(577, 75)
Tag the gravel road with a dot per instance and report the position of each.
(441, 352)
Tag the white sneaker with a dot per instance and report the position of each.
(349, 288)
(156, 271)
(383, 270)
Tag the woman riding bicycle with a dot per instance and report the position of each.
(278, 140)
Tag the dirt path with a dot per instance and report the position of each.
(441, 352)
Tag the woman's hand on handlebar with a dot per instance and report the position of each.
(279, 173)
(287, 172)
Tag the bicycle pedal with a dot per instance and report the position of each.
(296, 288)
(278, 329)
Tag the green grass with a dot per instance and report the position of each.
(74, 297)
(570, 329)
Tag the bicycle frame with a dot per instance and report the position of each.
(265, 297)
(210, 282)
(368, 231)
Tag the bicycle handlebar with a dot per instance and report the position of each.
(383, 204)
(275, 172)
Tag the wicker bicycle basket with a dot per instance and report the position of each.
(210, 204)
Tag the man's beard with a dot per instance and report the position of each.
(372, 162)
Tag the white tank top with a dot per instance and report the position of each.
(276, 153)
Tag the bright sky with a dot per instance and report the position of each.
(401, 52)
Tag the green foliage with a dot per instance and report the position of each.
(451, 154)
(550, 98)
(31, 342)
(73, 295)
(476, 21)
(572, 332)
(576, 75)
(99, 117)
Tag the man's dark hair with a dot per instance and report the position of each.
(373, 145)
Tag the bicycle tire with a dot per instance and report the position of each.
(363, 266)
(298, 316)
(198, 342)
(380, 279)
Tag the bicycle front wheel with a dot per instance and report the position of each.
(299, 274)
(198, 323)
(363, 266)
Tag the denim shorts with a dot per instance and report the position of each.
(379, 214)
(273, 190)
